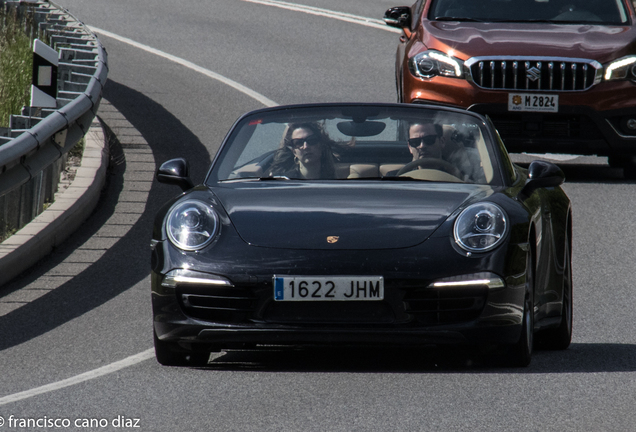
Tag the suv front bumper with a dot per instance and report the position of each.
(593, 122)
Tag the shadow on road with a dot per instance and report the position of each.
(579, 358)
(113, 273)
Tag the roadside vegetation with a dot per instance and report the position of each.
(16, 70)
(16, 65)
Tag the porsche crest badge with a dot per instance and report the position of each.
(332, 239)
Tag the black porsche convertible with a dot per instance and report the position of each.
(369, 224)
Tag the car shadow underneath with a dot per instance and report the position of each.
(579, 358)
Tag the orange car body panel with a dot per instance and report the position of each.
(607, 105)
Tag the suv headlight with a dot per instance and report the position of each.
(480, 227)
(623, 68)
(432, 63)
(192, 225)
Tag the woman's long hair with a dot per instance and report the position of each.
(285, 161)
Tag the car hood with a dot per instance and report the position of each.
(597, 42)
(297, 215)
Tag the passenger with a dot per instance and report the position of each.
(460, 151)
(305, 152)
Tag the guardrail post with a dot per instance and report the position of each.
(33, 150)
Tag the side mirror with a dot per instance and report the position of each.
(541, 174)
(399, 16)
(176, 172)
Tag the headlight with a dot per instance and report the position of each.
(192, 225)
(624, 68)
(428, 64)
(480, 227)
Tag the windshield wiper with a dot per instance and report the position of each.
(454, 18)
(521, 21)
(271, 178)
(252, 179)
(390, 178)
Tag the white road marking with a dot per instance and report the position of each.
(86, 376)
(342, 16)
(149, 353)
(240, 87)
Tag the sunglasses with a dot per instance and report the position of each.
(311, 140)
(427, 140)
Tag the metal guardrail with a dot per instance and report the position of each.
(33, 150)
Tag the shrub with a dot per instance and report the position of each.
(16, 66)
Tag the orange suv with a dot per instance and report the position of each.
(555, 76)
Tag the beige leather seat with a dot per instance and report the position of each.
(387, 168)
(345, 170)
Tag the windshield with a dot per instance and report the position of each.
(608, 12)
(358, 143)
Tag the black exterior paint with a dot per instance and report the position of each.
(401, 231)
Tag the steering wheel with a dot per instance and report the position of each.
(431, 163)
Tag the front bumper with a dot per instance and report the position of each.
(411, 313)
(592, 122)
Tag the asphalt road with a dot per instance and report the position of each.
(77, 346)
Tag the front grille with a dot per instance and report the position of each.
(403, 302)
(333, 312)
(219, 304)
(445, 306)
(534, 74)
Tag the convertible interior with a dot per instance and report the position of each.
(380, 159)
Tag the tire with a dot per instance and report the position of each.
(629, 172)
(170, 354)
(626, 162)
(616, 161)
(559, 338)
(520, 354)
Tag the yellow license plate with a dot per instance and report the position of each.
(533, 102)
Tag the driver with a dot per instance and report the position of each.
(426, 140)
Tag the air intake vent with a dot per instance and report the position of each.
(445, 306)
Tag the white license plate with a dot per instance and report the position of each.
(325, 288)
(533, 102)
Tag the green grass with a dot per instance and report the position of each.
(16, 67)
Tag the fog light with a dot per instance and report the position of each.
(631, 124)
